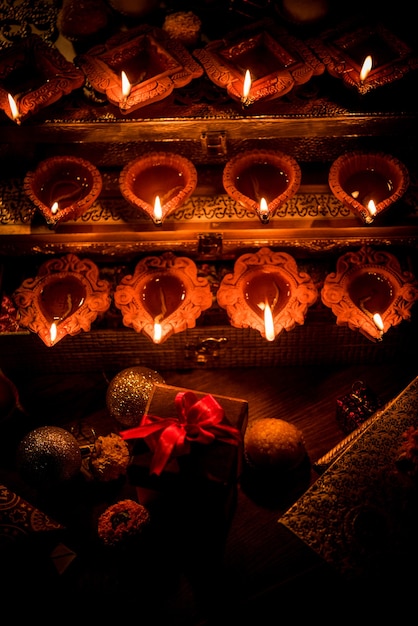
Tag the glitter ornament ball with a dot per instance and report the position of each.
(128, 393)
(48, 456)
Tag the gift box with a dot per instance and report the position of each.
(187, 452)
(356, 407)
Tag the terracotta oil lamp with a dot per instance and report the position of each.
(369, 292)
(63, 299)
(368, 183)
(63, 188)
(262, 181)
(158, 183)
(163, 296)
(266, 292)
(275, 61)
(152, 63)
(34, 75)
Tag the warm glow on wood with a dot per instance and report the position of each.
(53, 332)
(54, 208)
(247, 85)
(372, 208)
(378, 321)
(126, 85)
(158, 214)
(367, 66)
(13, 107)
(157, 333)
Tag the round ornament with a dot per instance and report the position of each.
(48, 455)
(128, 393)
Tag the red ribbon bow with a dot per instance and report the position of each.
(199, 421)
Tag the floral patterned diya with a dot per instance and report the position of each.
(163, 296)
(266, 292)
(34, 75)
(63, 188)
(275, 60)
(262, 181)
(151, 62)
(64, 298)
(368, 183)
(365, 57)
(369, 292)
(158, 183)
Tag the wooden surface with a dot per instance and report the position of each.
(260, 565)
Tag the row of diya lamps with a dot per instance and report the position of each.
(369, 292)
(143, 65)
(65, 187)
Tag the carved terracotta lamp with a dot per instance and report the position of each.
(262, 180)
(63, 188)
(273, 60)
(65, 298)
(266, 292)
(34, 75)
(369, 292)
(368, 183)
(163, 296)
(158, 183)
(138, 67)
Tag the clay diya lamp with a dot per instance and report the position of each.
(266, 292)
(63, 188)
(365, 56)
(273, 60)
(163, 296)
(138, 67)
(262, 181)
(63, 299)
(369, 292)
(158, 183)
(34, 75)
(368, 183)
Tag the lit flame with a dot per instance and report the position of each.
(54, 208)
(372, 208)
(13, 107)
(378, 321)
(53, 332)
(157, 333)
(158, 213)
(247, 85)
(367, 66)
(264, 209)
(268, 321)
(126, 85)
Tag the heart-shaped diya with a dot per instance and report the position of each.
(64, 298)
(369, 292)
(163, 296)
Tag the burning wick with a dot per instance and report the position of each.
(13, 109)
(365, 70)
(268, 321)
(372, 210)
(158, 213)
(126, 87)
(264, 212)
(375, 317)
(53, 332)
(54, 208)
(157, 333)
(245, 100)
(378, 321)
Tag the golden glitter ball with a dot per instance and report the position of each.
(47, 456)
(128, 394)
